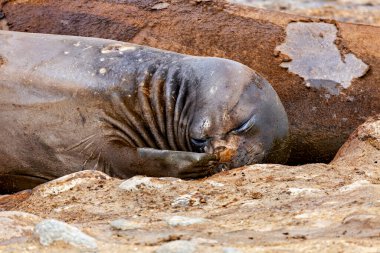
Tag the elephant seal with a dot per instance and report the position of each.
(73, 103)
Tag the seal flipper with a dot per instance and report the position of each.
(126, 162)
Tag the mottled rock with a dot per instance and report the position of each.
(70, 181)
(52, 230)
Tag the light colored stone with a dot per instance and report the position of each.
(160, 6)
(179, 246)
(231, 250)
(52, 230)
(303, 191)
(215, 184)
(123, 224)
(182, 201)
(184, 221)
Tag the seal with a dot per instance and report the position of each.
(74, 103)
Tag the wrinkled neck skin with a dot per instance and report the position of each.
(156, 110)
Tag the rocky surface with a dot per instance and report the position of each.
(260, 208)
(354, 11)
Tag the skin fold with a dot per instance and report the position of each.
(74, 103)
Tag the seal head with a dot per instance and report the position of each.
(237, 115)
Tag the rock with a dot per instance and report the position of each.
(259, 208)
(70, 181)
(184, 200)
(179, 246)
(184, 221)
(140, 182)
(123, 224)
(52, 230)
(362, 147)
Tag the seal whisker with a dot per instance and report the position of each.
(83, 141)
(97, 162)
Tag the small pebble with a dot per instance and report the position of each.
(160, 6)
(215, 184)
(179, 246)
(183, 201)
(184, 221)
(230, 250)
(123, 224)
(52, 230)
(137, 182)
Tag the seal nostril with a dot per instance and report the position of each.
(199, 145)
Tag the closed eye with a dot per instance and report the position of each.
(246, 126)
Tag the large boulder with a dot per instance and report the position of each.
(259, 208)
